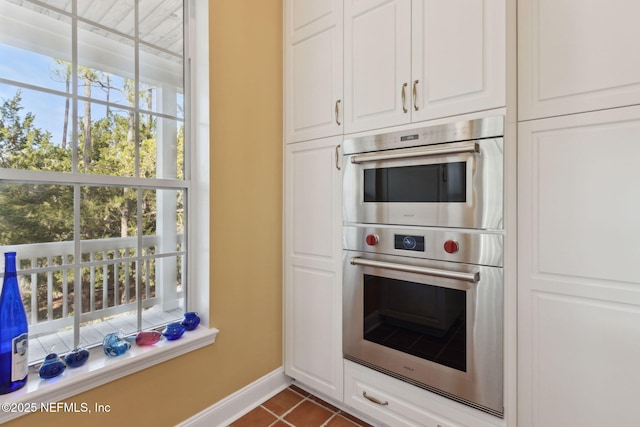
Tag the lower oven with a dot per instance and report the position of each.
(426, 306)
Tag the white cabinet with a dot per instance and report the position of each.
(377, 66)
(313, 265)
(577, 55)
(458, 60)
(578, 276)
(408, 61)
(313, 69)
(398, 404)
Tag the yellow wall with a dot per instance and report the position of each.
(246, 235)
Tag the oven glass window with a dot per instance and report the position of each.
(442, 182)
(423, 320)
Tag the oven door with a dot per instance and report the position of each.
(435, 324)
(442, 185)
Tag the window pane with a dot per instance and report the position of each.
(161, 24)
(108, 213)
(30, 41)
(105, 140)
(35, 213)
(60, 4)
(33, 130)
(106, 66)
(119, 16)
(161, 148)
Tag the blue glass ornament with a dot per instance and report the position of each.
(52, 367)
(191, 320)
(77, 357)
(173, 331)
(114, 346)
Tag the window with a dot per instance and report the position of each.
(99, 165)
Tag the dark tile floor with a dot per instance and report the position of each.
(294, 407)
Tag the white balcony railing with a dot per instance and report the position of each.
(116, 280)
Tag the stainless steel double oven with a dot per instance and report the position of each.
(423, 258)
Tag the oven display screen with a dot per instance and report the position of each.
(422, 320)
(442, 182)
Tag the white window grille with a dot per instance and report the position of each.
(95, 177)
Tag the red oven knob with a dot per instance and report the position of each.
(372, 239)
(451, 246)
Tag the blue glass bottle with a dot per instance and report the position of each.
(14, 338)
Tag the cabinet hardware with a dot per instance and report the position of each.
(374, 400)
(435, 272)
(415, 94)
(338, 112)
(404, 98)
(470, 147)
(338, 157)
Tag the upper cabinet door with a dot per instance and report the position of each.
(458, 60)
(377, 67)
(313, 69)
(577, 56)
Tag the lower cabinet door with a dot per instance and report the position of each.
(313, 265)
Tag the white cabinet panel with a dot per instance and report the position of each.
(377, 63)
(458, 60)
(583, 173)
(577, 55)
(578, 281)
(313, 265)
(313, 69)
(584, 357)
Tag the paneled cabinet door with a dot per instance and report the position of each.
(458, 57)
(377, 68)
(313, 265)
(578, 276)
(313, 69)
(577, 56)
(409, 61)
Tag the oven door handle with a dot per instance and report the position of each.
(468, 147)
(467, 277)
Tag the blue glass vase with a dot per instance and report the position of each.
(191, 320)
(52, 367)
(14, 337)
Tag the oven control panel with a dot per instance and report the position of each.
(409, 243)
(436, 244)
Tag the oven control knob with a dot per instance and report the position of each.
(372, 239)
(451, 246)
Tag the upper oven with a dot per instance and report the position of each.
(440, 176)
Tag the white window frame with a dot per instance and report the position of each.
(100, 369)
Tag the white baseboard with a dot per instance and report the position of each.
(239, 403)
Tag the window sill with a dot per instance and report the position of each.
(98, 370)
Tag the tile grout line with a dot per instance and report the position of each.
(281, 417)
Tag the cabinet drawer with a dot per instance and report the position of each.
(396, 403)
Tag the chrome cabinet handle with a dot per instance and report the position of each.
(415, 95)
(435, 272)
(338, 112)
(468, 147)
(338, 157)
(404, 98)
(374, 400)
